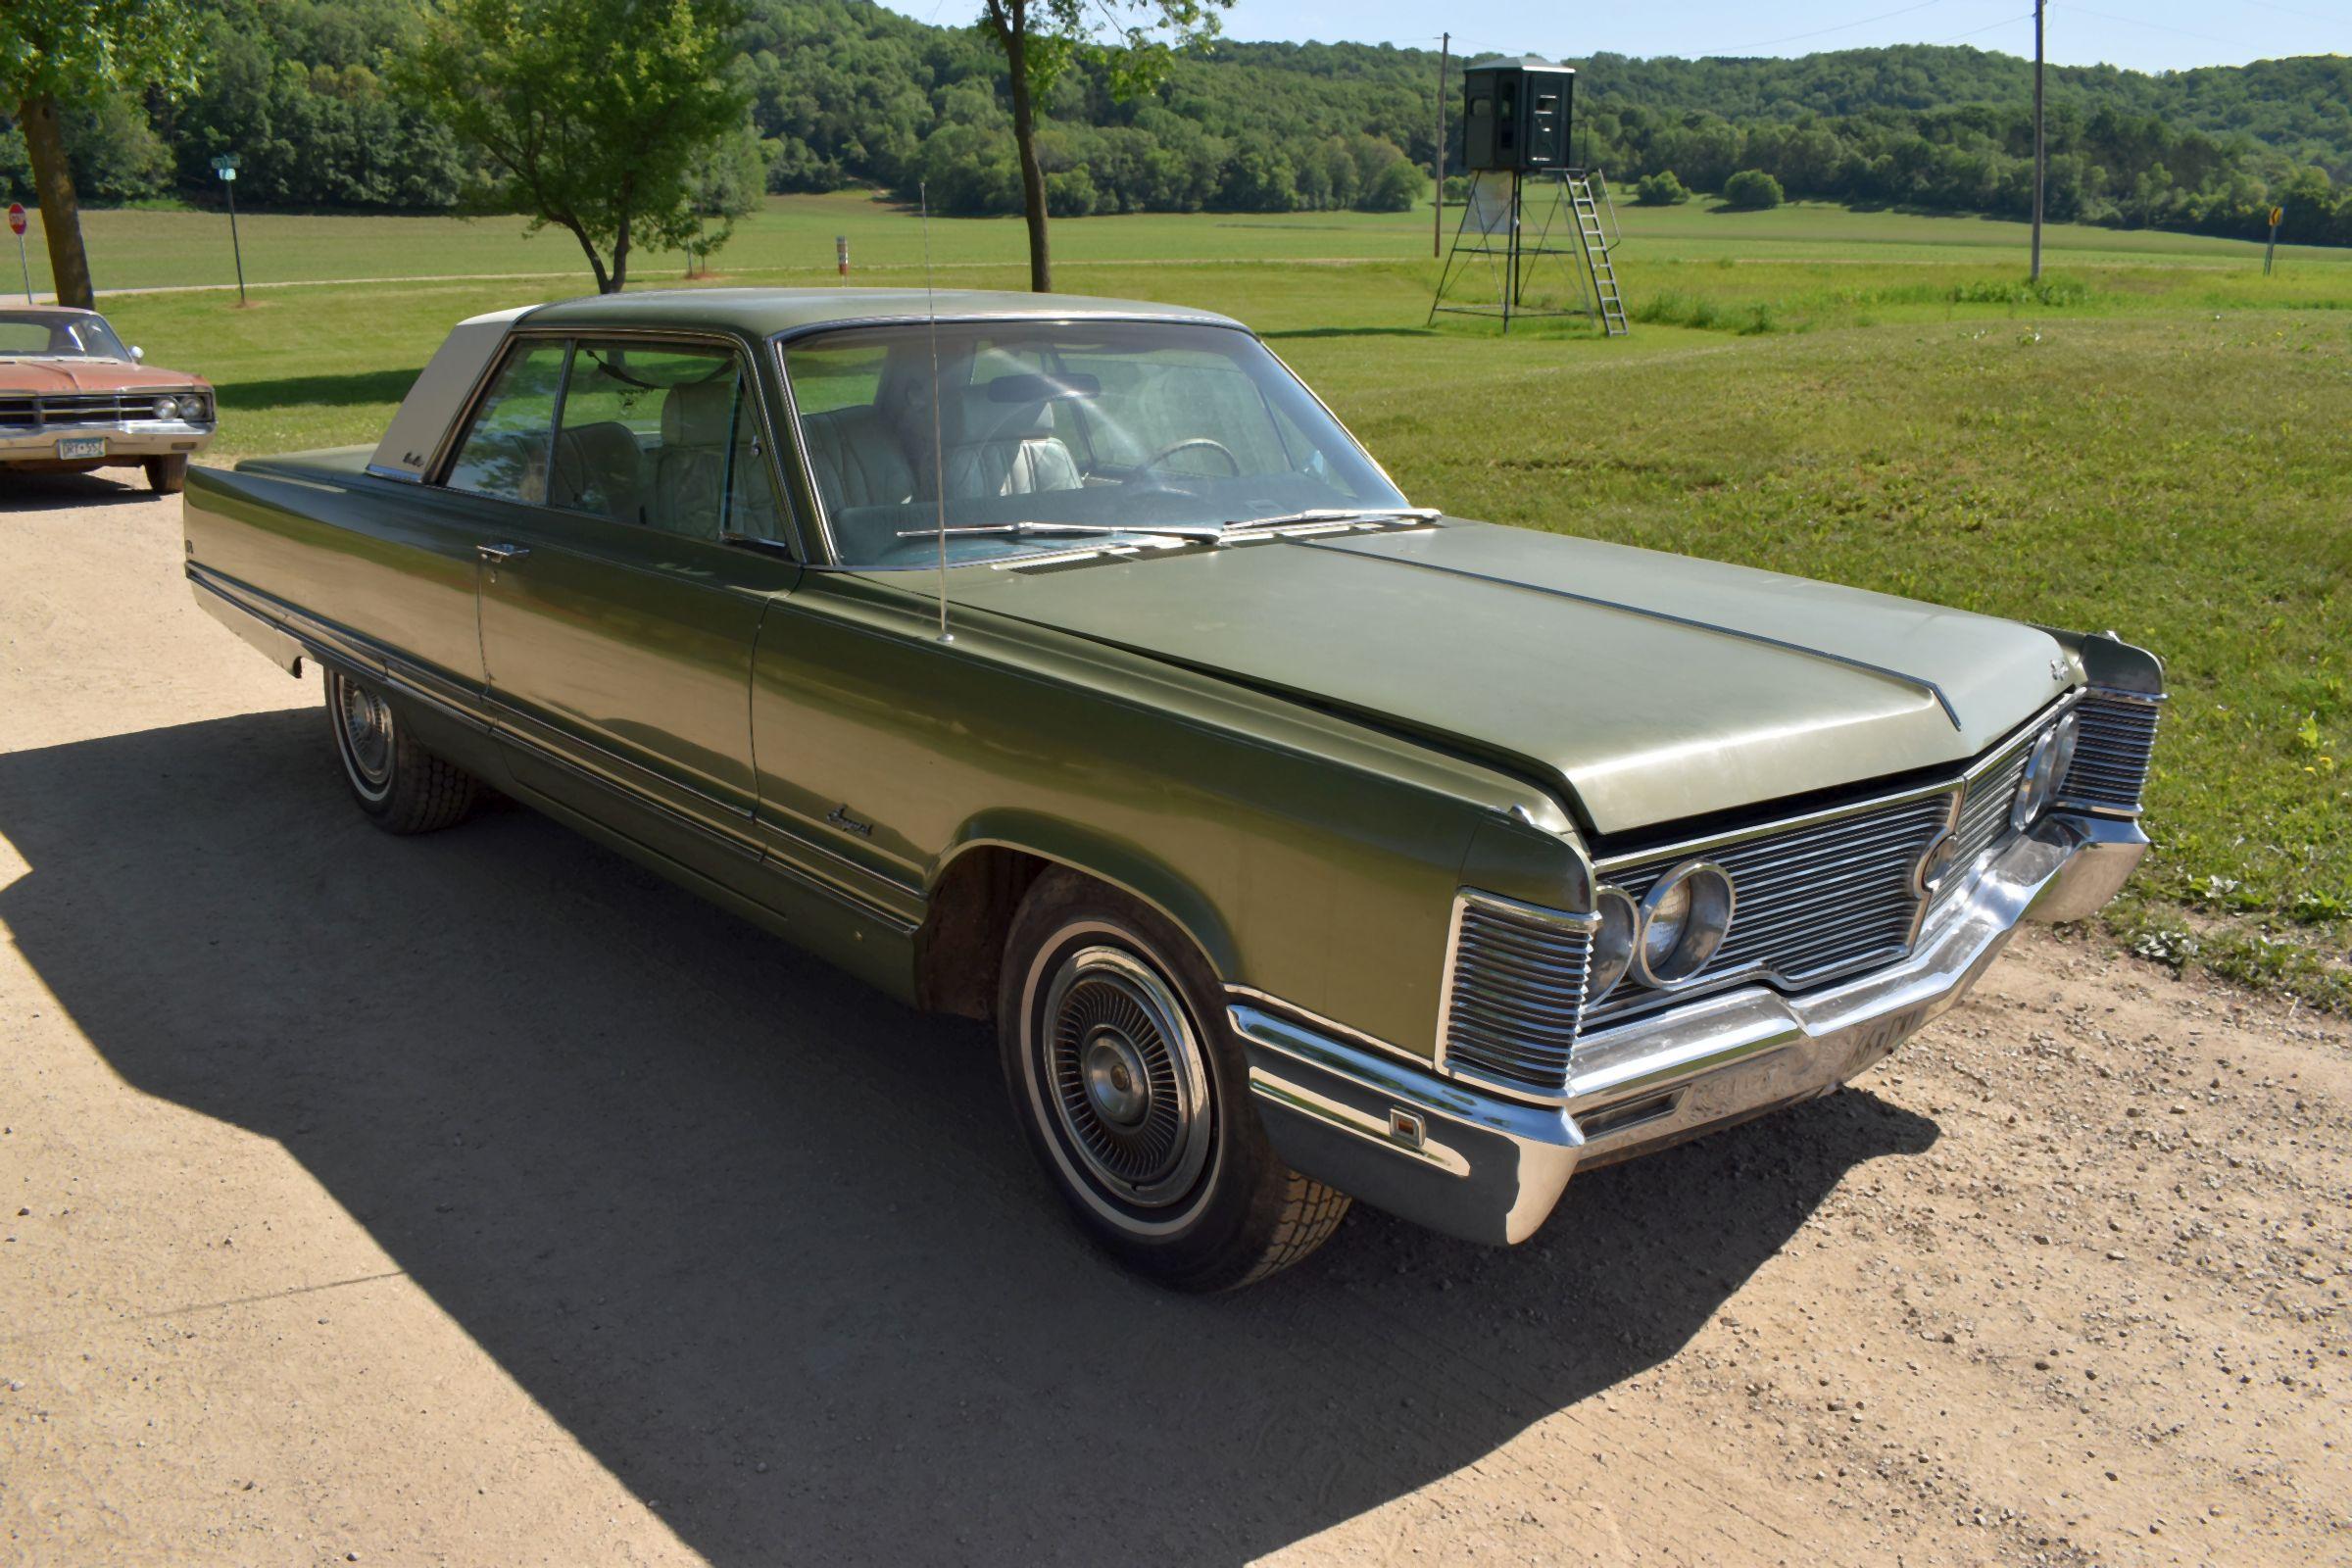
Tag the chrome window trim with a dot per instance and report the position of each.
(435, 474)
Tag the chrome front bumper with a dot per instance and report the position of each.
(1489, 1168)
(128, 442)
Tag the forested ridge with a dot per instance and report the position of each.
(843, 92)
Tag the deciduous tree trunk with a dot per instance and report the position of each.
(1013, 31)
(61, 209)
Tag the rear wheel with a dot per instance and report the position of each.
(402, 787)
(1136, 1097)
(168, 475)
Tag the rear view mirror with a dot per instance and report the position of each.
(137, 352)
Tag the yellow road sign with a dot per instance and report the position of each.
(2277, 212)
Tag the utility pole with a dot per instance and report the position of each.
(1437, 160)
(2040, 161)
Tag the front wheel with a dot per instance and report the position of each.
(1136, 1099)
(168, 475)
(399, 785)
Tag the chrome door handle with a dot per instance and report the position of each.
(500, 554)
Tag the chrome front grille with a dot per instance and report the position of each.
(31, 411)
(2110, 771)
(1814, 899)
(1514, 992)
(1984, 816)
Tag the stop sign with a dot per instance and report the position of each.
(15, 217)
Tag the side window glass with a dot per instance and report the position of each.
(505, 453)
(665, 437)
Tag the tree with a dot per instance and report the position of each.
(599, 115)
(1137, 38)
(1660, 189)
(1752, 188)
(78, 51)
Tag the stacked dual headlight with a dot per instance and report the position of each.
(1668, 936)
(188, 406)
(2045, 769)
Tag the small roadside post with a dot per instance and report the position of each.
(225, 166)
(2268, 250)
(15, 225)
(841, 259)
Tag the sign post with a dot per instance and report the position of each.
(15, 224)
(225, 166)
(2277, 212)
(841, 258)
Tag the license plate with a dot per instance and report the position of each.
(81, 446)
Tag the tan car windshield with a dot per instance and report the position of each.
(43, 334)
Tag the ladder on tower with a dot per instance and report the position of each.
(1595, 241)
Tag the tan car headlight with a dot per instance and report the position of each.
(2045, 769)
(166, 407)
(191, 408)
(1684, 918)
(1612, 943)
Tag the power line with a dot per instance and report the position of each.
(1844, 26)
(1987, 27)
(2160, 26)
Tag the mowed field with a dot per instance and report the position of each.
(2153, 441)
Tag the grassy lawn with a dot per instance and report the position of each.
(2154, 443)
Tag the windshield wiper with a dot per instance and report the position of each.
(1208, 533)
(1292, 520)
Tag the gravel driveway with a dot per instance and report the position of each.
(482, 1199)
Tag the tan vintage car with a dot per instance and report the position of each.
(73, 399)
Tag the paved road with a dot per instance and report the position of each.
(484, 1199)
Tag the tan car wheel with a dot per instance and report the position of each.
(402, 787)
(166, 476)
(1135, 1096)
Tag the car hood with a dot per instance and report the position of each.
(1652, 687)
(73, 374)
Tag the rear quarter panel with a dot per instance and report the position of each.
(385, 560)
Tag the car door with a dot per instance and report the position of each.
(621, 594)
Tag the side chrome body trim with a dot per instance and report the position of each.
(1332, 1105)
(288, 635)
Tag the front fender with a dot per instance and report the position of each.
(1128, 866)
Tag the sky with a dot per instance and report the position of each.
(2140, 34)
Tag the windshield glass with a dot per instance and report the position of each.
(1131, 427)
(45, 334)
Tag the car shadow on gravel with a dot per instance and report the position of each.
(766, 1244)
(65, 492)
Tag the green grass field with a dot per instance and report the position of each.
(2156, 442)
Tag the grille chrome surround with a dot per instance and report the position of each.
(1514, 993)
(1819, 897)
(2112, 752)
(29, 411)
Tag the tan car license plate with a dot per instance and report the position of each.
(81, 446)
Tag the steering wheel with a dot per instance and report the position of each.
(1186, 445)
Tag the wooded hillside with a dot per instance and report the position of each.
(845, 92)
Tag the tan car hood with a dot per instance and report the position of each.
(87, 375)
(1652, 687)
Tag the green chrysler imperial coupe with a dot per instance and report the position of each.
(1062, 662)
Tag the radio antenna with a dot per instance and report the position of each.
(939, 461)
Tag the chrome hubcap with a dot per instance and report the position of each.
(1116, 1080)
(1125, 1076)
(366, 731)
